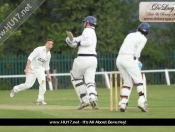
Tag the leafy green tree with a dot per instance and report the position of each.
(7, 6)
(71, 17)
(4, 9)
(115, 20)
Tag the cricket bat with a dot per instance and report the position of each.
(70, 35)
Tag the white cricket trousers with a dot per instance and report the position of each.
(31, 77)
(85, 66)
(129, 69)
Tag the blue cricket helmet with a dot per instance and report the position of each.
(144, 28)
(91, 20)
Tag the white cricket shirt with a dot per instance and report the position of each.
(133, 44)
(39, 58)
(88, 41)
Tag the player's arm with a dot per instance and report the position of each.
(140, 47)
(47, 68)
(78, 39)
(27, 66)
(85, 39)
(34, 54)
(48, 76)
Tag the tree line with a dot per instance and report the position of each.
(115, 19)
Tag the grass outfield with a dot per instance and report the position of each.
(87, 129)
(63, 104)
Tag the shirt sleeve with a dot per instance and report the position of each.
(46, 64)
(34, 54)
(86, 38)
(78, 39)
(140, 45)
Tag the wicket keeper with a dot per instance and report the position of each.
(127, 64)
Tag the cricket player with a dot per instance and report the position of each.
(127, 63)
(84, 66)
(37, 63)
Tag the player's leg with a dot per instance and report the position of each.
(126, 89)
(90, 83)
(42, 86)
(131, 86)
(136, 75)
(77, 73)
(30, 79)
(81, 92)
(122, 63)
(76, 83)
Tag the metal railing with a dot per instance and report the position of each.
(105, 73)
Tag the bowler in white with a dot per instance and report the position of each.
(37, 64)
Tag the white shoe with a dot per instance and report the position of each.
(12, 93)
(93, 104)
(123, 107)
(83, 105)
(143, 107)
(41, 103)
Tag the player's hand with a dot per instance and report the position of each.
(78, 43)
(26, 71)
(71, 44)
(49, 79)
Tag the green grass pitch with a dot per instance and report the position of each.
(63, 104)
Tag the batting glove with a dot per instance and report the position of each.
(71, 43)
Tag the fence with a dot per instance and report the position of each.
(105, 74)
(14, 65)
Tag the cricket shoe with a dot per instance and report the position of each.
(143, 107)
(83, 105)
(12, 93)
(123, 107)
(93, 104)
(41, 103)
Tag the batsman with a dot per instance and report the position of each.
(84, 66)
